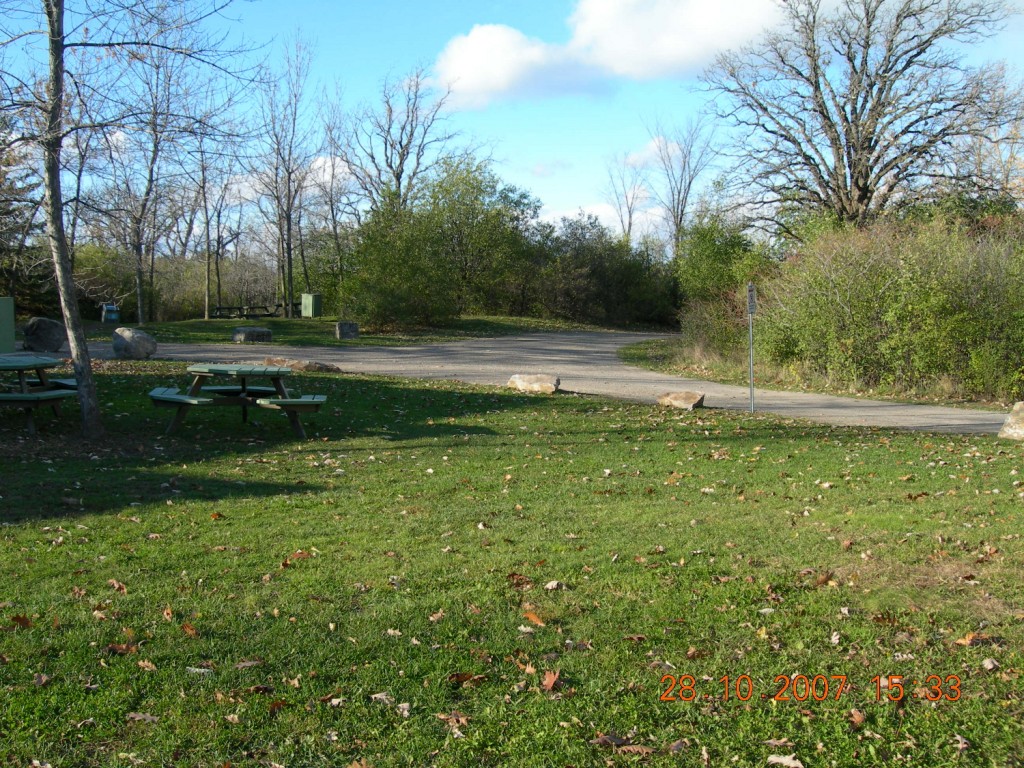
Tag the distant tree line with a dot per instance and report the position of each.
(144, 162)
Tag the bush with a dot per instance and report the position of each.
(400, 276)
(903, 306)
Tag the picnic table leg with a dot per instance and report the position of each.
(31, 421)
(245, 403)
(293, 417)
(179, 417)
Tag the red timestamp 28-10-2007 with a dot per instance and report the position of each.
(811, 688)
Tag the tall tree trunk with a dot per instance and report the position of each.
(92, 426)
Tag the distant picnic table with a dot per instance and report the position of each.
(252, 311)
(240, 393)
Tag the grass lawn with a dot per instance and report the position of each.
(456, 576)
(312, 332)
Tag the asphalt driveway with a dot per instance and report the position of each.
(587, 362)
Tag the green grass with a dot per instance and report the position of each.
(306, 332)
(375, 592)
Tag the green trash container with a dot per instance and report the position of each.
(312, 305)
(6, 324)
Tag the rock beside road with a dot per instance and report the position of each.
(133, 344)
(536, 382)
(686, 400)
(44, 335)
(303, 366)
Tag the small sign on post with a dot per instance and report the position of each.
(751, 311)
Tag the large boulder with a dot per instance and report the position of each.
(535, 382)
(133, 344)
(251, 334)
(44, 335)
(1013, 427)
(686, 401)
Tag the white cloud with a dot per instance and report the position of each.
(496, 60)
(643, 39)
(636, 39)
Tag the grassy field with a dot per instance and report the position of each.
(455, 576)
(306, 332)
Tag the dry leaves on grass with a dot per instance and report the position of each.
(787, 761)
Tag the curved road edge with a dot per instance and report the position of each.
(587, 362)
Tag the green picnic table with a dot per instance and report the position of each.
(239, 393)
(32, 393)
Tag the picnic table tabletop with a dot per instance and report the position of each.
(231, 369)
(26, 362)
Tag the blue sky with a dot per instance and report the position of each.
(553, 88)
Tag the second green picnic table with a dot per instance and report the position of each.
(239, 393)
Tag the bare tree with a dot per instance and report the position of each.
(286, 152)
(391, 145)
(850, 110)
(626, 190)
(122, 34)
(682, 154)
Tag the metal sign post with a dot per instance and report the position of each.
(751, 311)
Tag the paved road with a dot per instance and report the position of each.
(587, 362)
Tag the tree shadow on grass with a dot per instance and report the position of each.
(82, 491)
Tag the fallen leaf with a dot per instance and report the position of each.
(550, 681)
(403, 709)
(142, 717)
(519, 581)
(118, 586)
(609, 740)
(249, 663)
(990, 664)
(122, 649)
(533, 618)
(232, 719)
(962, 744)
(277, 706)
(22, 621)
(787, 761)
(453, 718)
(551, 586)
(635, 749)
(147, 665)
(779, 743)
(636, 638)
(856, 718)
(382, 698)
(189, 630)
(168, 614)
(972, 639)
(41, 680)
(436, 617)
